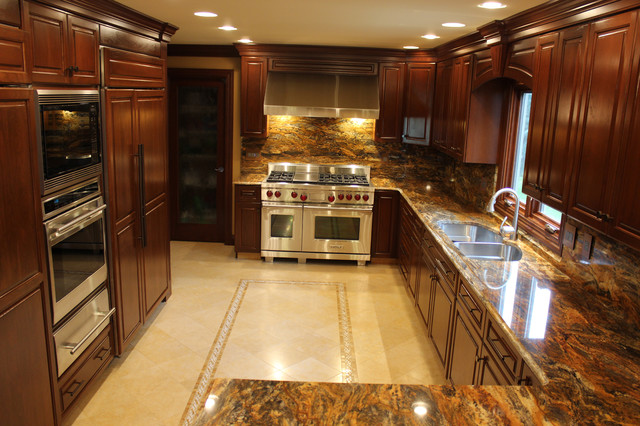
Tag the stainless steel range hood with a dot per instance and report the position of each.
(322, 95)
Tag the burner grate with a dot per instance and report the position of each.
(278, 176)
(347, 179)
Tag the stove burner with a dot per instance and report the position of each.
(277, 176)
(347, 179)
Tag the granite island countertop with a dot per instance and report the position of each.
(586, 355)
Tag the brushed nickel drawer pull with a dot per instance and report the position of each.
(77, 384)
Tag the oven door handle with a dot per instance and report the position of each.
(75, 346)
(281, 205)
(334, 207)
(63, 229)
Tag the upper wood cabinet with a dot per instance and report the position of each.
(418, 104)
(467, 123)
(559, 66)
(253, 122)
(14, 48)
(65, 47)
(389, 123)
(607, 92)
(519, 61)
(132, 70)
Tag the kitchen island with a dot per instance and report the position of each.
(583, 354)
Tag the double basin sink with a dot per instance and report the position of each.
(478, 242)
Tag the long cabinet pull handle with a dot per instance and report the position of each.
(75, 346)
(500, 354)
(77, 220)
(141, 194)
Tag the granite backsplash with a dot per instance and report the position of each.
(350, 141)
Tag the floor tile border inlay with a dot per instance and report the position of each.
(347, 353)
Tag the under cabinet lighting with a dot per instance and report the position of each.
(410, 47)
(227, 28)
(492, 5)
(245, 40)
(206, 14)
(430, 36)
(453, 25)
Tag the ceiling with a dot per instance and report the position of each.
(358, 23)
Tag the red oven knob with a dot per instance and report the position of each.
(365, 197)
(357, 197)
(269, 193)
(294, 194)
(303, 197)
(331, 198)
(278, 194)
(340, 196)
(349, 196)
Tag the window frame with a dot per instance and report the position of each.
(529, 217)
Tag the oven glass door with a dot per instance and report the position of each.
(77, 261)
(337, 229)
(281, 227)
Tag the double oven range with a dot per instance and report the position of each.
(312, 211)
(74, 218)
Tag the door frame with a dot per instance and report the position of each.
(226, 78)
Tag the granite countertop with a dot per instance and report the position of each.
(587, 360)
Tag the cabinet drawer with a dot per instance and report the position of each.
(470, 305)
(101, 354)
(506, 357)
(247, 193)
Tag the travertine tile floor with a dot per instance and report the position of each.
(152, 382)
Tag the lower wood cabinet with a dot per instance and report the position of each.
(465, 352)
(248, 209)
(385, 221)
(443, 305)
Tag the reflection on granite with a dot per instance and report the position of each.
(234, 401)
(347, 141)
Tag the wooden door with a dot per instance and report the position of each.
(419, 102)
(385, 220)
(389, 123)
(465, 351)
(49, 36)
(604, 92)
(443, 103)
(253, 122)
(201, 149)
(83, 51)
(425, 288)
(156, 256)
(441, 319)
(15, 55)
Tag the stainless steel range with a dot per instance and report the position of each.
(312, 211)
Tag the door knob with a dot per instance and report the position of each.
(219, 169)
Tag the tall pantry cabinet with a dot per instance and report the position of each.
(137, 169)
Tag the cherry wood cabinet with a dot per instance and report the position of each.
(465, 352)
(27, 376)
(389, 123)
(418, 105)
(519, 63)
(253, 122)
(247, 218)
(65, 47)
(411, 232)
(559, 65)
(15, 57)
(385, 223)
(136, 154)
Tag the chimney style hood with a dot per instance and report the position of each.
(322, 95)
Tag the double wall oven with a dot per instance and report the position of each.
(74, 218)
(317, 212)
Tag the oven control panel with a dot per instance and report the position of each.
(358, 196)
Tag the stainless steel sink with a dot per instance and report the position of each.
(490, 251)
(469, 232)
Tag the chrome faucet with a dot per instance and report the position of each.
(506, 230)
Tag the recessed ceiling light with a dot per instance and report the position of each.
(430, 36)
(410, 47)
(245, 40)
(453, 25)
(206, 14)
(492, 5)
(227, 28)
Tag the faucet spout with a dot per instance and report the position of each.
(490, 208)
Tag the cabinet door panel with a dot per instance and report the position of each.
(419, 102)
(442, 103)
(254, 81)
(462, 70)
(520, 62)
(83, 50)
(389, 124)
(50, 56)
(126, 278)
(605, 95)
(385, 219)
(464, 353)
(425, 289)
(119, 125)
(442, 308)
(14, 56)
(156, 256)
(25, 384)
(247, 227)
(152, 133)
(20, 224)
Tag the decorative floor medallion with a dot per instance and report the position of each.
(347, 353)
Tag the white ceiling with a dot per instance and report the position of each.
(359, 23)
